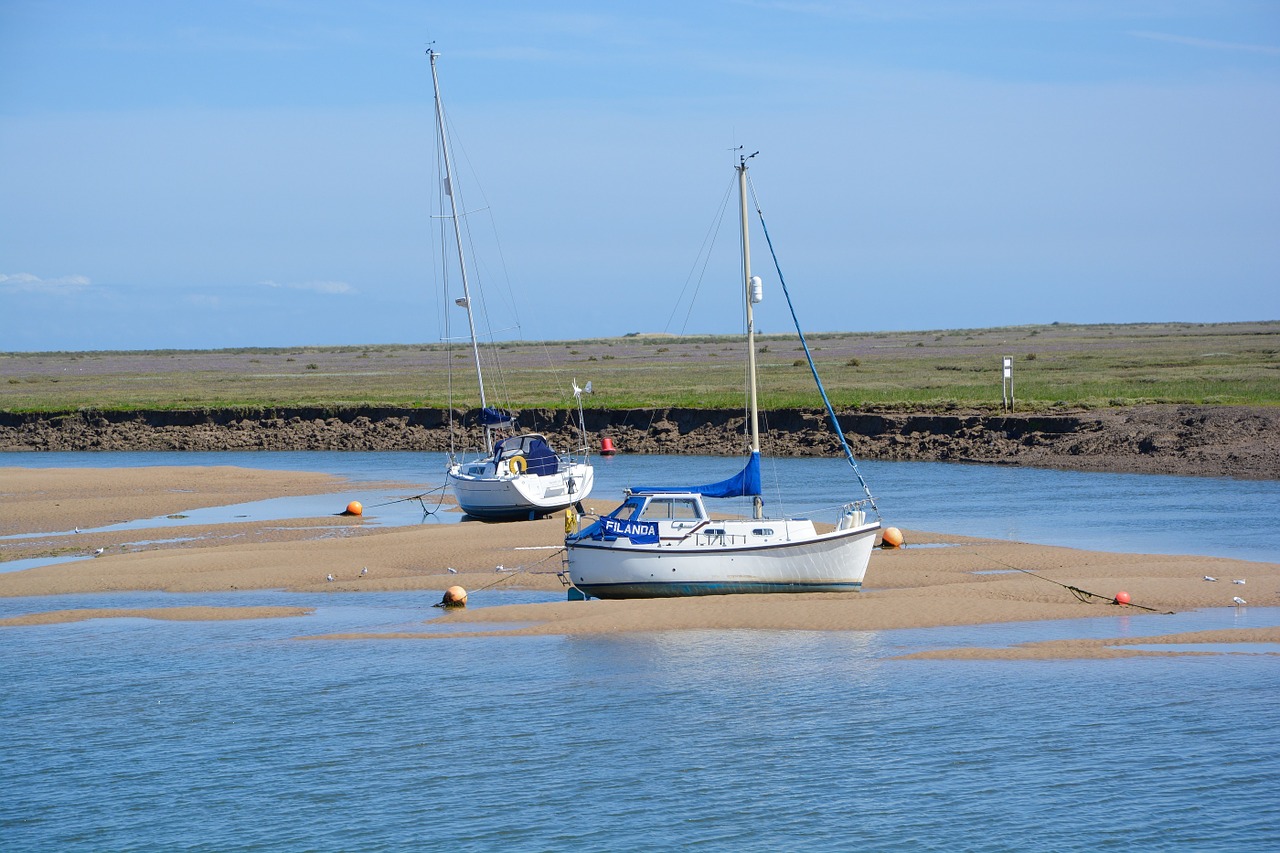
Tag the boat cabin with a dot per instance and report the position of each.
(675, 514)
(531, 449)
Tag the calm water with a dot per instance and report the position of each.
(140, 735)
(1109, 512)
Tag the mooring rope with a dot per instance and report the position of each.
(419, 498)
(510, 573)
(1082, 595)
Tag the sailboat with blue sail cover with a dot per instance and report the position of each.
(518, 475)
(662, 541)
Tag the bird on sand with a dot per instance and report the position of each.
(1239, 581)
(329, 577)
(451, 570)
(1206, 577)
(1238, 600)
(364, 571)
(98, 553)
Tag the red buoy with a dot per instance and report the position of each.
(1122, 597)
(606, 447)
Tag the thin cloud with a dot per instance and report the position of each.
(1209, 44)
(329, 287)
(28, 283)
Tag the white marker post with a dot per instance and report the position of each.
(1006, 385)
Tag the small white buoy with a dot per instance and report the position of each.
(1206, 577)
(329, 578)
(1239, 581)
(1239, 601)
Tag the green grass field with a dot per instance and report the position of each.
(1055, 366)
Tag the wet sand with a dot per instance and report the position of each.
(954, 581)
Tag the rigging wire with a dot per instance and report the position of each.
(487, 355)
(831, 412)
(704, 256)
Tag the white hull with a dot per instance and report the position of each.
(794, 559)
(517, 496)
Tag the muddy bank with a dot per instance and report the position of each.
(1193, 440)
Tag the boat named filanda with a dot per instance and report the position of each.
(518, 476)
(662, 541)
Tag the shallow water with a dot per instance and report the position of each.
(1135, 513)
(135, 734)
(238, 736)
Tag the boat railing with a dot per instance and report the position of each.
(718, 536)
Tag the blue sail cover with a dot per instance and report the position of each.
(492, 416)
(745, 483)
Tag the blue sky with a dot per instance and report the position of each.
(246, 173)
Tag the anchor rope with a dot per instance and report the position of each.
(1082, 595)
(419, 498)
(507, 575)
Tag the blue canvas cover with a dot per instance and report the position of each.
(539, 458)
(491, 416)
(743, 484)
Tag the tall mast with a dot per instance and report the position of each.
(465, 302)
(757, 503)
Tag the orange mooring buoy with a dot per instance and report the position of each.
(454, 596)
(354, 508)
(891, 538)
(606, 447)
(1122, 597)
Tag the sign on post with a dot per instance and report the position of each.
(1006, 385)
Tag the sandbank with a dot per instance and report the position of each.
(955, 580)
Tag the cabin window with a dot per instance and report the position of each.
(762, 531)
(685, 509)
(629, 509)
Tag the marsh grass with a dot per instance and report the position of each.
(1073, 365)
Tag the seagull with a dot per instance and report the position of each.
(1206, 577)
(77, 530)
(364, 571)
(500, 568)
(1238, 600)
(329, 577)
(98, 553)
(451, 570)
(1239, 581)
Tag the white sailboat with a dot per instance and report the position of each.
(517, 475)
(662, 541)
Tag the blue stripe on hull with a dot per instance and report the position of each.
(683, 590)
